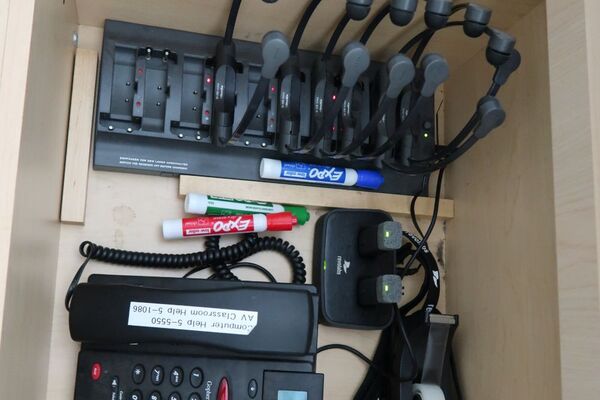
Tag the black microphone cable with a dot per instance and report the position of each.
(335, 37)
(231, 21)
(308, 12)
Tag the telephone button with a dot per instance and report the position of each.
(174, 396)
(176, 376)
(252, 388)
(196, 378)
(155, 396)
(135, 395)
(114, 384)
(223, 393)
(157, 375)
(194, 396)
(96, 371)
(138, 374)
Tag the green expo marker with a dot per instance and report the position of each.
(202, 204)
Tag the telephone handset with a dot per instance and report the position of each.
(179, 339)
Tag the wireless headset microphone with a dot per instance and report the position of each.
(504, 71)
(434, 71)
(491, 116)
(402, 11)
(501, 76)
(224, 91)
(290, 91)
(355, 10)
(225, 79)
(500, 53)
(356, 60)
(358, 9)
(275, 52)
(500, 47)
(400, 73)
(350, 117)
(437, 13)
(477, 19)
(291, 85)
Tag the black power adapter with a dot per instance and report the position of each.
(354, 262)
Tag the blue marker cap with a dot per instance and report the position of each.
(369, 179)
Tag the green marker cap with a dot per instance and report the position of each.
(301, 213)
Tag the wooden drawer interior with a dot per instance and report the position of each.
(496, 252)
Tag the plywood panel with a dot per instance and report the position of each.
(34, 108)
(126, 210)
(314, 196)
(79, 139)
(574, 41)
(4, 7)
(257, 18)
(15, 39)
(501, 267)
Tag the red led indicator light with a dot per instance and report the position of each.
(333, 128)
(334, 97)
(207, 113)
(273, 89)
(140, 71)
(96, 371)
(138, 103)
(208, 80)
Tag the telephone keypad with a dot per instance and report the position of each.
(160, 376)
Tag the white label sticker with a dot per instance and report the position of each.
(189, 318)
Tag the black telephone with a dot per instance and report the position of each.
(192, 339)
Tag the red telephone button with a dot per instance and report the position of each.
(96, 371)
(223, 393)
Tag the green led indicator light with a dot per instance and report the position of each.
(387, 234)
(386, 288)
(426, 135)
(325, 265)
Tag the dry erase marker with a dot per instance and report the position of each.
(228, 225)
(196, 203)
(323, 174)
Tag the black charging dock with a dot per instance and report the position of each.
(156, 112)
(353, 270)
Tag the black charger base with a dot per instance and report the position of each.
(339, 268)
(156, 110)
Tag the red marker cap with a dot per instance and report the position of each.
(284, 221)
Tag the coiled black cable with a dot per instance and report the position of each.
(215, 257)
